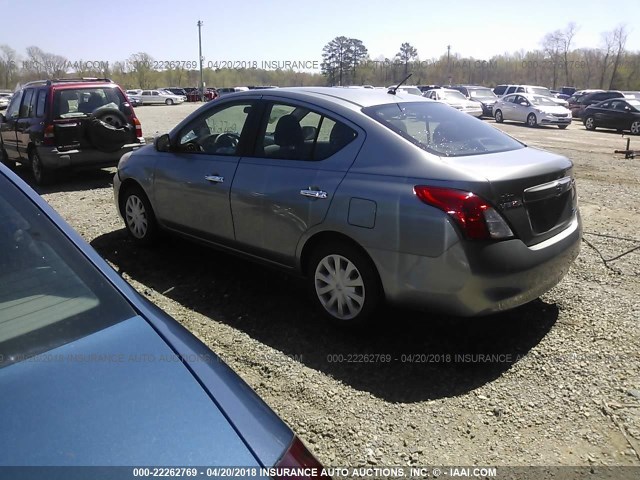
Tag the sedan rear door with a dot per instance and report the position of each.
(301, 155)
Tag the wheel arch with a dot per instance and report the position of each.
(124, 186)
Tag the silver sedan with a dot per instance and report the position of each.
(368, 195)
(531, 109)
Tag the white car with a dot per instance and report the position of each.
(406, 89)
(5, 98)
(160, 97)
(531, 109)
(455, 99)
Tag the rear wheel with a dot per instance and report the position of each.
(138, 216)
(590, 123)
(41, 175)
(532, 121)
(635, 127)
(344, 284)
(498, 116)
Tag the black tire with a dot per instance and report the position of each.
(4, 159)
(168, 101)
(532, 121)
(498, 116)
(109, 130)
(363, 288)
(562, 127)
(139, 219)
(41, 175)
(590, 123)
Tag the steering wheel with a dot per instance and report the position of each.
(227, 140)
(193, 147)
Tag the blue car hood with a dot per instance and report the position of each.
(117, 397)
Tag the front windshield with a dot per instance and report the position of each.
(50, 294)
(541, 91)
(441, 130)
(482, 93)
(543, 101)
(453, 95)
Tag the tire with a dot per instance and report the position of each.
(41, 175)
(635, 128)
(4, 159)
(498, 116)
(562, 127)
(138, 215)
(331, 292)
(168, 101)
(109, 130)
(590, 123)
(532, 121)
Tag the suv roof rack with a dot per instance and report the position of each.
(70, 80)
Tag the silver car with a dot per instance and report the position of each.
(456, 99)
(369, 196)
(149, 97)
(531, 109)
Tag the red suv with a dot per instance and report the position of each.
(55, 124)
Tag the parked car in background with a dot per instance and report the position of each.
(194, 95)
(425, 88)
(620, 114)
(480, 94)
(176, 91)
(532, 89)
(581, 103)
(227, 90)
(455, 99)
(365, 194)
(151, 393)
(411, 89)
(151, 97)
(531, 109)
(55, 124)
(5, 98)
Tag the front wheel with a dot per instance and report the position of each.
(635, 127)
(498, 116)
(532, 121)
(168, 101)
(138, 216)
(344, 284)
(590, 123)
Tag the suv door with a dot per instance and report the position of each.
(8, 127)
(27, 125)
(192, 182)
(284, 189)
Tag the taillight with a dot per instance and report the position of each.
(477, 219)
(49, 135)
(298, 459)
(138, 126)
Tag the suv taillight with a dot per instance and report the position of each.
(298, 457)
(138, 126)
(477, 219)
(49, 135)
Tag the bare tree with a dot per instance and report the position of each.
(406, 54)
(552, 46)
(608, 49)
(141, 64)
(620, 35)
(8, 64)
(46, 64)
(566, 37)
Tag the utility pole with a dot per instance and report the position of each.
(200, 23)
(449, 62)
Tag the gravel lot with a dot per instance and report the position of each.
(555, 382)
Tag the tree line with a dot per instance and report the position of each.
(346, 61)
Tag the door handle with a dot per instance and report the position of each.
(214, 178)
(313, 193)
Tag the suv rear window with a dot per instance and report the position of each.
(80, 102)
(442, 130)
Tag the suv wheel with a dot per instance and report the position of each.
(4, 159)
(41, 175)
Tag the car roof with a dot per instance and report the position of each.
(355, 98)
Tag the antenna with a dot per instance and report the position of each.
(392, 90)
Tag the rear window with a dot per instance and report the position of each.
(50, 294)
(81, 102)
(442, 130)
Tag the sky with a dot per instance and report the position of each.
(287, 30)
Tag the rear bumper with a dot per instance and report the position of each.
(473, 279)
(53, 159)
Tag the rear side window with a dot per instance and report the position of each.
(298, 133)
(26, 107)
(41, 103)
(81, 102)
(442, 130)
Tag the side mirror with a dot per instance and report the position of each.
(627, 109)
(163, 143)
